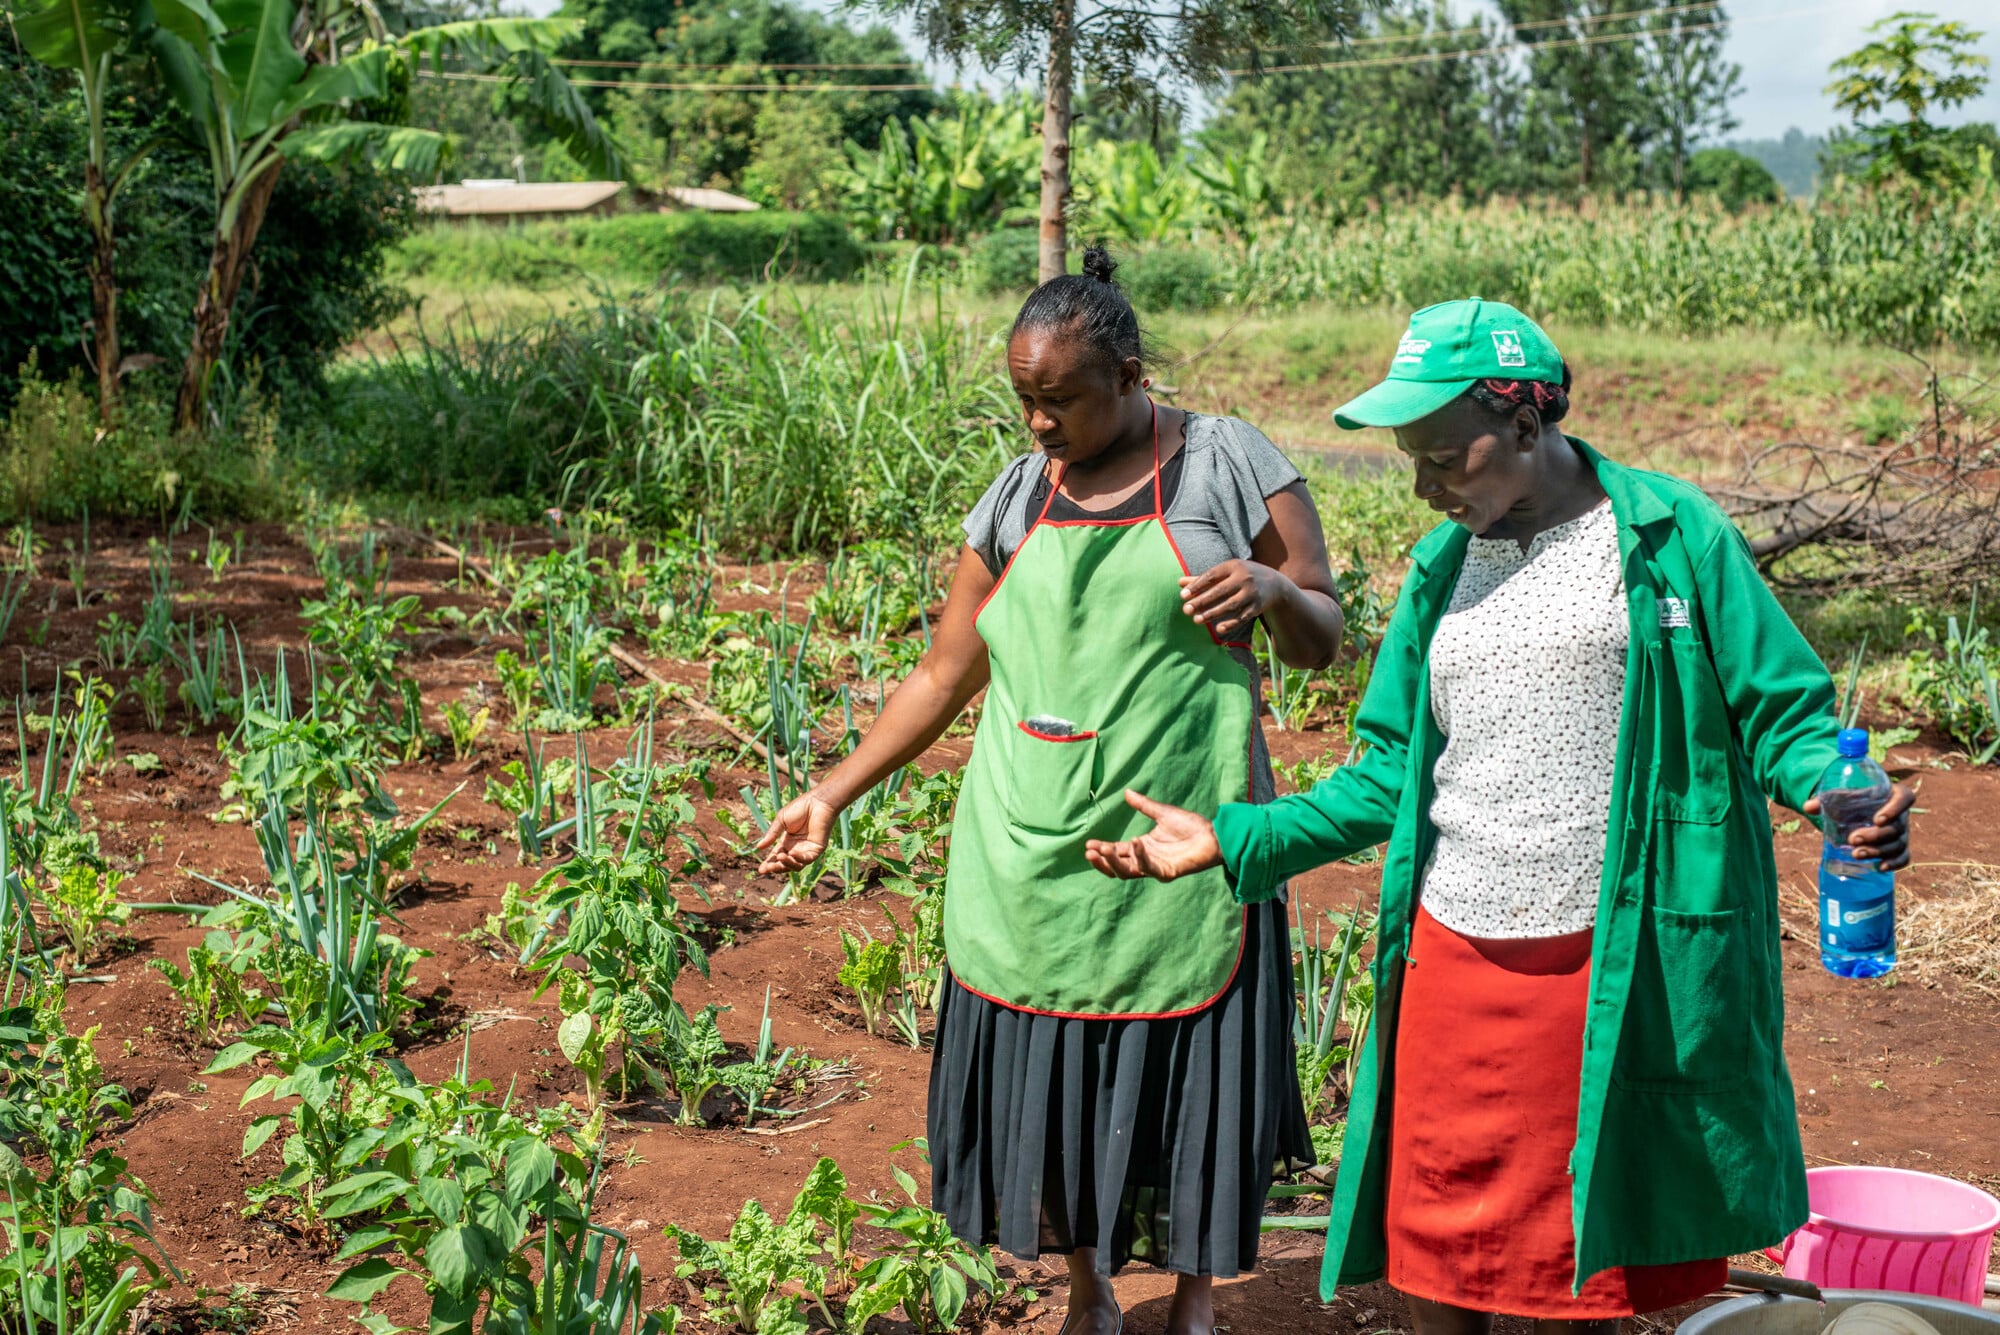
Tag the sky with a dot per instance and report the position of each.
(1784, 47)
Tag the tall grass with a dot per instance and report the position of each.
(788, 425)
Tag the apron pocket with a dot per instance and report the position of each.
(1687, 1023)
(1051, 781)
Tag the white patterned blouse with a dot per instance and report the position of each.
(1528, 685)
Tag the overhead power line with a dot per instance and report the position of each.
(745, 64)
(1587, 19)
(1424, 57)
(698, 87)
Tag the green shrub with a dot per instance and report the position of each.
(1736, 179)
(1173, 279)
(640, 247)
(1006, 260)
(727, 245)
(56, 464)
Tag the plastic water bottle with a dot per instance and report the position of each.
(1857, 900)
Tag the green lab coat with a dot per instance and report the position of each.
(1687, 1141)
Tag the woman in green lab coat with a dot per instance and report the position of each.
(1574, 1102)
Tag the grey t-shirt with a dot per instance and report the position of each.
(1227, 470)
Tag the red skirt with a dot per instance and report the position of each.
(1489, 1057)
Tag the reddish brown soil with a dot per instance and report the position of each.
(1888, 1072)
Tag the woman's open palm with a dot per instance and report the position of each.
(797, 835)
(1179, 844)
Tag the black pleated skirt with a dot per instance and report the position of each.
(1150, 1140)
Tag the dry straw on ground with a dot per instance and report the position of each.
(1955, 933)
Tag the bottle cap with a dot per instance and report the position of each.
(1853, 743)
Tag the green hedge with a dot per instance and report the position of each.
(640, 247)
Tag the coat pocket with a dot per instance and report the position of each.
(1687, 1023)
(1051, 781)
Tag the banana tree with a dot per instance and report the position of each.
(260, 80)
(1125, 191)
(85, 36)
(1235, 188)
(946, 174)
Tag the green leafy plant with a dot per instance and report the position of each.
(871, 973)
(470, 1193)
(337, 1086)
(79, 890)
(465, 722)
(1956, 681)
(927, 1271)
(217, 555)
(554, 687)
(149, 688)
(612, 909)
(214, 989)
(765, 1270)
(73, 1233)
(694, 1053)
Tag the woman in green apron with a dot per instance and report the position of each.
(1573, 1105)
(1114, 1076)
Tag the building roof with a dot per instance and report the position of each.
(502, 197)
(713, 201)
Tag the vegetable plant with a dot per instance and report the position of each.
(74, 1233)
(1956, 680)
(693, 1052)
(611, 909)
(765, 1270)
(202, 666)
(79, 890)
(927, 1271)
(469, 1193)
(871, 973)
(465, 722)
(337, 1086)
(213, 989)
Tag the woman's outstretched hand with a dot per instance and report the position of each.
(1888, 839)
(1179, 844)
(797, 835)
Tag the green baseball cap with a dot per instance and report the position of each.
(1447, 348)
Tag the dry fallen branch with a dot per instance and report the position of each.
(1918, 513)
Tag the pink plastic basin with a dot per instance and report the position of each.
(1890, 1228)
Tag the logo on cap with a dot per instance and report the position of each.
(1507, 347)
(1412, 349)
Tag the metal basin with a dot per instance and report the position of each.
(1770, 1314)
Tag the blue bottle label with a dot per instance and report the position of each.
(1859, 926)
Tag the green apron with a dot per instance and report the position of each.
(1086, 626)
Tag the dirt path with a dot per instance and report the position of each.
(1898, 1072)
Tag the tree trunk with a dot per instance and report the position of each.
(226, 261)
(1055, 144)
(103, 289)
(1584, 157)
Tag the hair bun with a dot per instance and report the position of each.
(1098, 264)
